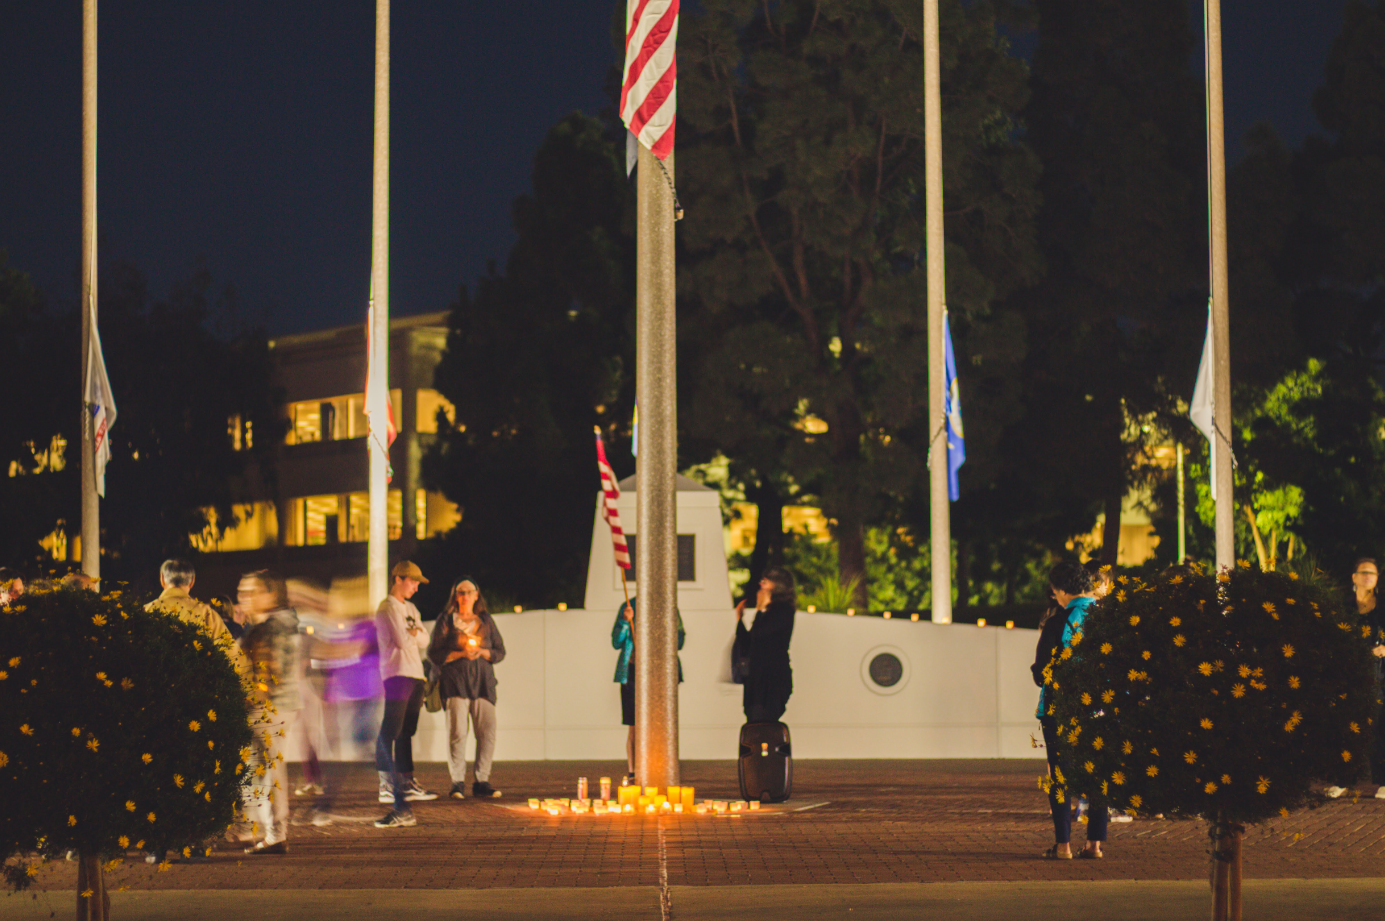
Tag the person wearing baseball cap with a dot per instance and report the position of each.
(399, 628)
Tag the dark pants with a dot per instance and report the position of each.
(768, 712)
(1062, 812)
(394, 749)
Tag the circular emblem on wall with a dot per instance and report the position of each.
(885, 670)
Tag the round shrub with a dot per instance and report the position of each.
(119, 729)
(1224, 695)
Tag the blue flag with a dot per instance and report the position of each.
(952, 411)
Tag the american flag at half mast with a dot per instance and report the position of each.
(610, 494)
(649, 92)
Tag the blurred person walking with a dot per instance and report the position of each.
(271, 643)
(1365, 578)
(1071, 587)
(348, 659)
(401, 637)
(769, 683)
(176, 578)
(623, 638)
(465, 648)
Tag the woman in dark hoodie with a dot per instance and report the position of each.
(770, 682)
(464, 648)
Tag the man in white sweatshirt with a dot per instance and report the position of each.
(399, 628)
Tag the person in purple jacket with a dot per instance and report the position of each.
(349, 659)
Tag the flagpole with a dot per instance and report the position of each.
(1182, 510)
(656, 533)
(1221, 325)
(91, 504)
(940, 523)
(377, 553)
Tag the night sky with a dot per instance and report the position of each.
(237, 136)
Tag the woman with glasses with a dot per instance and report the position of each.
(464, 648)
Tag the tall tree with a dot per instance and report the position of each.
(534, 359)
(801, 163)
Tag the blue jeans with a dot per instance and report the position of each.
(1097, 815)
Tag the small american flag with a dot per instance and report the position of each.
(610, 495)
(649, 93)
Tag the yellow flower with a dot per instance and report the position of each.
(76, 732)
(1127, 748)
(1058, 774)
(146, 757)
(187, 852)
(1118, 778)
(1089, 767)
(1067, 654)
(197, 787)
(14, 663)
(1205, 668)
(218, 768)
(87, 893)
(1134, 620)
(1135, 801)
(1154, 752)
(208, 795)
(1076, 638)
(1219, 665)
(165, 866)
(1133, 675)
(123, 841)
(1346, 756)
(1105, 648)
(1210, 788)
(1238, 690)
(100, 676)
(1269, 609)
(211, 715)
(1145, 655)
(93, 744)
(197, 644)
(1104, 789)
(129, 805)
(1175, 621)
(151, 817)
(4, 675)
(1288, 651)
(1293, 682)
(1179, 639)
(1243, 671)
(1355, 728)
(178, 781)
(1262, 785)
(71, 820)
(1086, 698)
(1108, 696)
(99, 620)
(1072, 737)
(210, 745)
(1206, 723)
(194, 725)
(126, 683)
(1190, 757)
(1225, 779)
(1097, 743)
(27, 729)
(1152, 770)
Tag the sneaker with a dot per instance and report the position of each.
(321, 819)
(278, 847)
(308, 789)
(483, 790)
(396, 819)
(458, 791)
(386, 793)
(1335, 792)
(1118, 816)
(1380, 794)
(414, 793)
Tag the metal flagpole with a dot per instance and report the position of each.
(940, 530)
(1182, 510)
(91, 504)
(377, 554)
(1221, 326)
(656, 537)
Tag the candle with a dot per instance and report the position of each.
(659, 800)
(643, 801)
(533, 804)
(649, 808)
(664, 806)
(627, 808)
(754, 805)
(675, 794)
(651, 791)
(701, 808)
(688, 798)
(626, 795)
(605, 788)
(736, 806)
(581, 788)
(678, 808)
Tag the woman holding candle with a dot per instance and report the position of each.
(465, 647)
(623, 638)
(770, 682)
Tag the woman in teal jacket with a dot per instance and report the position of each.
(623, 638)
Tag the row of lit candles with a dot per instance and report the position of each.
(643, 805)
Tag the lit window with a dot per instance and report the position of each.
(429, 403)
(331, 419)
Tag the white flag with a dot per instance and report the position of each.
(1201, 409)
(100, 403)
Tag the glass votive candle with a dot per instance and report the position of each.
(533, 804)
(736, 806)
(754, 805)
(627, 809)
(605, 788)
(701, 809)
(651, 791)
(644, 800)
(678, 808)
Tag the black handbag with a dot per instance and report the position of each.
(740, 659)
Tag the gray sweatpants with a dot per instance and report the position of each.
(481, 712)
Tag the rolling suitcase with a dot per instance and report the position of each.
(766, 762)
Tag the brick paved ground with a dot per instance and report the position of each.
(878, 822)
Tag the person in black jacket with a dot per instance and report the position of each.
(465, 647)
(770, 682)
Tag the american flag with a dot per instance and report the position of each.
(610, 495)
(649, 93)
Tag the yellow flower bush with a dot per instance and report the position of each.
(1236, 675)
(125, 776)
